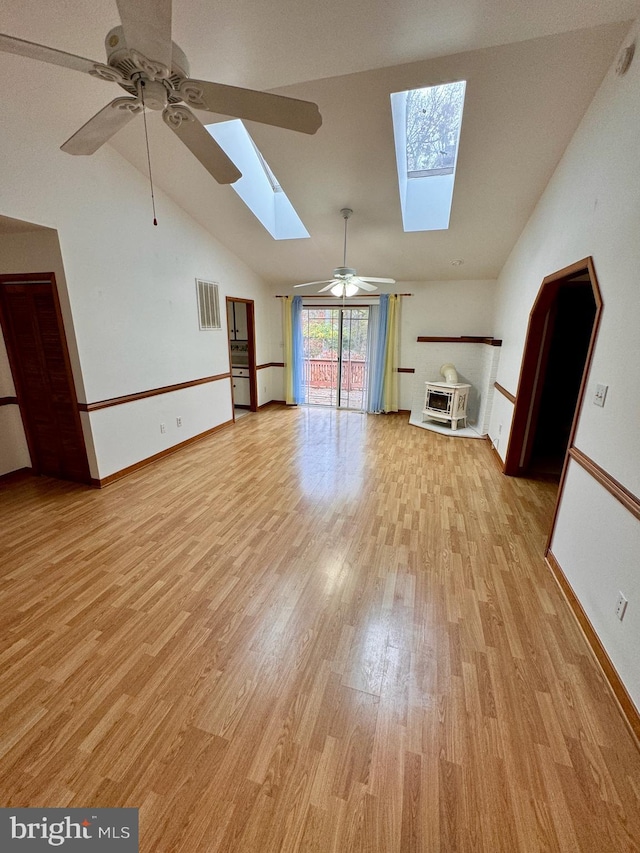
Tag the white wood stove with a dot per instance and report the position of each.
(446, 402)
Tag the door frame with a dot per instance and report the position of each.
(40, 278)
(251, 339)
(342, 308)
(535, 361)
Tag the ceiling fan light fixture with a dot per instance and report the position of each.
(342, 288)
(344, 278)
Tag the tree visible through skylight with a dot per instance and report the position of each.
(433, 126)
(426, 127)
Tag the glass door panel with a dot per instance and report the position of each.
(353, 358)
(321, 331)
(335, 356)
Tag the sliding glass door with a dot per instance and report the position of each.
(335, 356)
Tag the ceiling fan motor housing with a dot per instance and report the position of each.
(143, 60)
(121, 58)
(343, 272)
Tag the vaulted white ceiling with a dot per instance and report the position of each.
(532, 69)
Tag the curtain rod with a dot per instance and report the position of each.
(350, 298)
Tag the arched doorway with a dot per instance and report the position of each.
(562, 329)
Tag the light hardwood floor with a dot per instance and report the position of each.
(312, 631)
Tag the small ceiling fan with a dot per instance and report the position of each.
(153, 70)
(345, 281)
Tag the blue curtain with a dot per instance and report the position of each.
(297, 359)
(377, 349)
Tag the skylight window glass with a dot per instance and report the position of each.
(427, 126)
(258, 187)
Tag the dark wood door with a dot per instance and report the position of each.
(41, 371)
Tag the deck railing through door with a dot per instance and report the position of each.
(323, 373)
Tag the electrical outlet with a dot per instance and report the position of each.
(621, 606)
(499, 429)
(600, 395)
(179, 422)
(163, 428)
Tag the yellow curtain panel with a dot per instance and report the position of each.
(287, 332)
(390, 383)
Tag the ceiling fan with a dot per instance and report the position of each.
(153, 70)
(345, 281)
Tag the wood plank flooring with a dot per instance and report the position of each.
(313, 631)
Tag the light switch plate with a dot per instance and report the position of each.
(600, 395)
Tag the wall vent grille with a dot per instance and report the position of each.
(208, 305)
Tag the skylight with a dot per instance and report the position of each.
(426, 125)
(258, 187)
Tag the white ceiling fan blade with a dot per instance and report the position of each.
(362, 284)
(276, 110)
(330, 285)
(9, 44)
(147, 28)
(102, 126)
(309, 283)
(201, 144)
(377, 280)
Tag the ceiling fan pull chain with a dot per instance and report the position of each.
(146, 138)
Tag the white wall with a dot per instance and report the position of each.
(597, 543)
(500, 417)
(435, 308)
(127, 288)
(591, 206)
(125, 434)
(441, 309)
(14, 453)
(270, 385)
